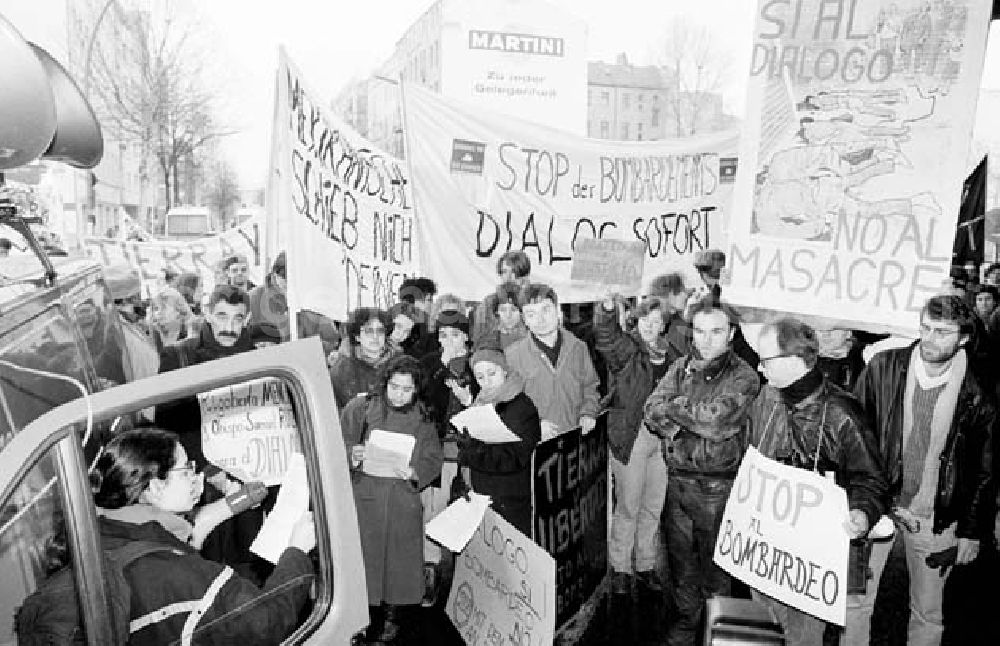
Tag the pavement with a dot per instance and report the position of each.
(641, 619)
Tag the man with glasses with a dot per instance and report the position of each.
(802, 419)
(933, 422)
(699, 408)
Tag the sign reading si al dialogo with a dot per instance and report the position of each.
(467, 156)
(345, 206)
(783, 534)
(853, 154)
(542, 191)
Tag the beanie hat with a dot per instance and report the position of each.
(452, 318)
(711, 262)
(489, 354)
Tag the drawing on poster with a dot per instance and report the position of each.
(841, 107)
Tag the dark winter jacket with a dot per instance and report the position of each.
(632, 380)
(239, 613)
(504, 470)
(390, 515)
(352, 375)
(828, 421)
(183, 416)
(964, 491)
(700, 413)
(442, 401)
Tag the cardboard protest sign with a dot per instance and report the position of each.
(504, 588)
(854, 149)
(569, 498)
(484, 184)
(615, 263)
(344, 206)
(201, 256)
(783, 534)
(248, 429)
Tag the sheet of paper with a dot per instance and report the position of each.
(455, 526)
(386, 452)
(484, 424)
(293, 501)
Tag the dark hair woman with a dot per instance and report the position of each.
(143, 483)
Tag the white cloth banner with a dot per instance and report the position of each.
(783, 533)
(855, 147)
(484, 184)
(343, 206)
(201, 256)
(249, 431)
(504, 590)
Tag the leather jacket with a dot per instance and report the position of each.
(700, 412)
(825, 432)
(965, 476)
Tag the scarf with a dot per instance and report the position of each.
(512, 386)
(944, 409)
(140, 513)
(802, 387)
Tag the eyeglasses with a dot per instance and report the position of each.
(189, 467)
(373, 331)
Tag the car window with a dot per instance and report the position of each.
(41, 367)
(32, 540)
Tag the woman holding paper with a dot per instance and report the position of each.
(144, 483)
(394, 453)
(503, 471)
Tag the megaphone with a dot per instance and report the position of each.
(43, 113)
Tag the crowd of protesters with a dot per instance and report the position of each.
(905, 427)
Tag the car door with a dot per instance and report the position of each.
(43, 477)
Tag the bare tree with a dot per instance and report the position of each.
(222, 193)
(700, 68)
(148, 82)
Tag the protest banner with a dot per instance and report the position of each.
(201, 256)
(609, 262)
(783, 534)
(569, 492)
(854, 149)
(249, 431)
(484, 184)
(504, 588)
(344, 207)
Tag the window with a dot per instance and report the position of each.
(604, 130)
(606, 98)
(626, 98)
(624, 132)
(642, 98)
(654, 117)
(638, 131)
(29, 524)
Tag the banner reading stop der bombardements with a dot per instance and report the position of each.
(484, 183)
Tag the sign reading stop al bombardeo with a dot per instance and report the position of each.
(783, 533)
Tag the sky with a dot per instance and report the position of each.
(336, 41)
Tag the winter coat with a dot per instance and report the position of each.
(700, 413)
(562, 393)
(964, 478)
(504, 470)
(632, 381)
(158, 580)
(831, 421)
(183, 416)
(442, 401)
(351, 375)
(390, 516)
